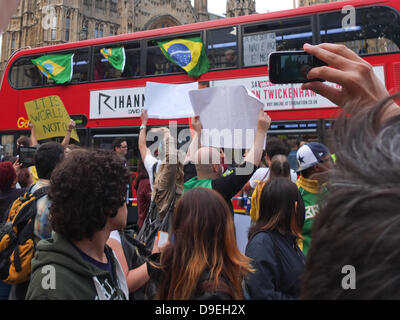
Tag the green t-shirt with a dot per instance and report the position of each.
(194, 183)
(311, 193)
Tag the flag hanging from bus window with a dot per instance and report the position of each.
(189, 54)
(115, 56)
(58, 67)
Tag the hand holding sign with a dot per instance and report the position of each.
(50, 118)
(71, 125)
(228, 116)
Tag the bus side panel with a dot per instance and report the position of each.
(9, 105)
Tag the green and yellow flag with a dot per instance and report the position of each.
(57, 67)
(115, 56)
(189, 54)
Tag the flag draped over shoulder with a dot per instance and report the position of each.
(115, 56)
(58, 67)
(189, 54)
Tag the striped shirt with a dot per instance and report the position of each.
(42, 228)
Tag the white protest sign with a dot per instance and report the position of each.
(256, 48)
(228, 114)
(169, 101)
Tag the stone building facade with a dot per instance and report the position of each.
(235, 8)
(40, 23)
(303, 3)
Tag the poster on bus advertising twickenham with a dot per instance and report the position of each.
(285, 96)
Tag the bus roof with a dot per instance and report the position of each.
(187, 28)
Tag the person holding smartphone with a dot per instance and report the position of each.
(360, 87)
(355, 235)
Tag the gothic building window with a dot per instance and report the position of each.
(99, 31)
(67, 27)
(54, 28)
(100, 4)
(83, 35)
(13, 42)
(113, 5)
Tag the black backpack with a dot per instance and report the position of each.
(151, 225)
(145, 241)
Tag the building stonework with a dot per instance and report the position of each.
(39, 23)
(235, 8)
(303, 3)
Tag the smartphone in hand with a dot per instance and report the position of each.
(162, 238)
(26, 156)
(292, 66)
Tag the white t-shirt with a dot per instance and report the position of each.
(262, 175)
(149, 162)
(115, 235)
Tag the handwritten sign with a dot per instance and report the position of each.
(257, 48)
(49, 117)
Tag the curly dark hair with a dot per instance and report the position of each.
(86, 189)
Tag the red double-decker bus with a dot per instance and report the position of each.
(237, 49)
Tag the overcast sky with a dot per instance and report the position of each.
(262, 6)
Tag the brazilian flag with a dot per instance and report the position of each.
(115, 56)
(57, 67)
(189, 54)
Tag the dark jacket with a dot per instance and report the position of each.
(75, 278)
(207, 291)
(279, 264)
(6, 200)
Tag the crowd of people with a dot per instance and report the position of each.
(306, 225)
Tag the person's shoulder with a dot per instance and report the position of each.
(15, 193)
(260, 173)
(115, 235)
(149, 159)
(293, 176)
(261, 239)
(260, 246)
(38, 185)
(144, 183)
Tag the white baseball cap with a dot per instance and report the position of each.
(310, 154)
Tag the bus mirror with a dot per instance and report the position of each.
(80, 120)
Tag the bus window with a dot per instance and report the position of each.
(376, 30)
(132, 65)
(80, 67)
(105, 141)
(222, 48)
(7, 144)
(157, 63)
(24, 74)
(103, 70)
(262, 39)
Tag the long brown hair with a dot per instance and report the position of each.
(277, 208)
(204, 240)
